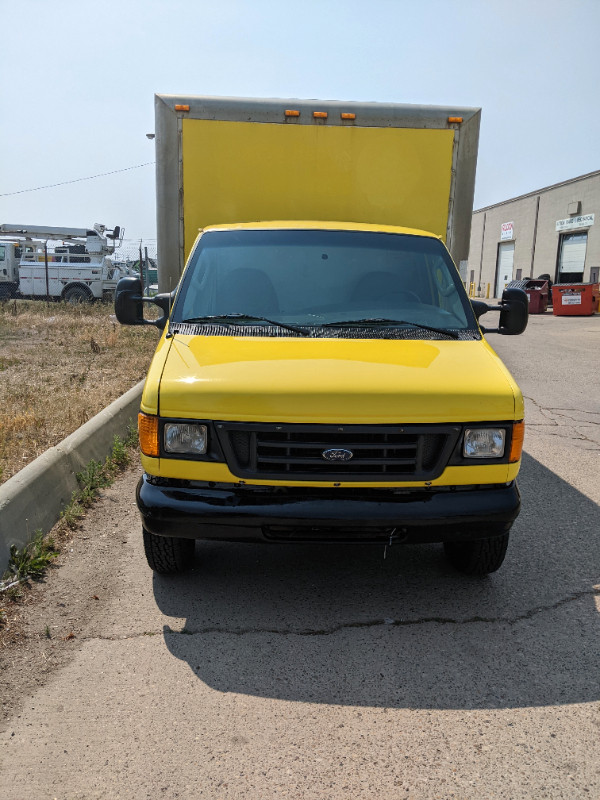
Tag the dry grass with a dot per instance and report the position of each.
(59, 365)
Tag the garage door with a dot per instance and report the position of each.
(504, 271)
(572, 255)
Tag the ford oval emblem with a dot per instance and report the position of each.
(338, 454)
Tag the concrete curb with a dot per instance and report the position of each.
(35, 496)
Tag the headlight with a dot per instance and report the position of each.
(185, 437)
(484, 443)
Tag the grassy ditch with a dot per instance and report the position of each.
(60, 364)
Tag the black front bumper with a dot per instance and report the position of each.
(194, 510)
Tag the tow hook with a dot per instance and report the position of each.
(390, 543)
(394, 537)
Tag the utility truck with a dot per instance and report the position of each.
(77, 270)
(321, 375)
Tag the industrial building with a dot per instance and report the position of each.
(547, 232)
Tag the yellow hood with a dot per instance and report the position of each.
(333, 380)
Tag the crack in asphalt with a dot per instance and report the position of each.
(564, 412)
(575, 436)
(563, 431)
(385, 622)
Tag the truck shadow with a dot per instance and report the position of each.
(343, 625)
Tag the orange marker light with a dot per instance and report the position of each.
(292, 112)
(320, 114)
(455, 119)
(346, 115)
(182, 108)
(516, 445)
(148, 434)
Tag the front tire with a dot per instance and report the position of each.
(167, 555)
(7, 291)
(478, 557)
(78, 294)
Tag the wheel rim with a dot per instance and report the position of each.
(76, 295)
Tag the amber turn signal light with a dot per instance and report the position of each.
(181, 107)
(148, 434)
(516, 445)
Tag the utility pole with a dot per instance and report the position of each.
(46, 265)
(146, 264)
(142, 268)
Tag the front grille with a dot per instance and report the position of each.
(379, 452)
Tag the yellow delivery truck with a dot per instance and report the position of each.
(322, 375)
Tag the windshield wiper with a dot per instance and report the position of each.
(389, 323)
(240, 319)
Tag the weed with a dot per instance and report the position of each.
(98, 476)
(72, 513)
(120, 455)
(47, 632)
(94, 477)
(5, 363)
(131, 439)
(113, 336)
(14, 594)
(32, 560)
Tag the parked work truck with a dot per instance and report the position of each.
(322, 375)
(77, 270)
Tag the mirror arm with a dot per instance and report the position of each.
(480, 308)
(164, 302)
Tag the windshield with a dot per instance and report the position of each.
(323, 277)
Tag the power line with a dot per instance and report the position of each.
(78, 180)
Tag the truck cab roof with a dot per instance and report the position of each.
(318, 225)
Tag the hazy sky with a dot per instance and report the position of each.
(78, 80)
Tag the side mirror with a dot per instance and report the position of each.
(479, 307)
(514, 312)
(129, 304)
(164, 302)
(129, 307)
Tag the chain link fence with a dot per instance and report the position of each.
(130, 250)
(132, 253)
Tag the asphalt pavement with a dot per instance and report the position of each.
(331, 672)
